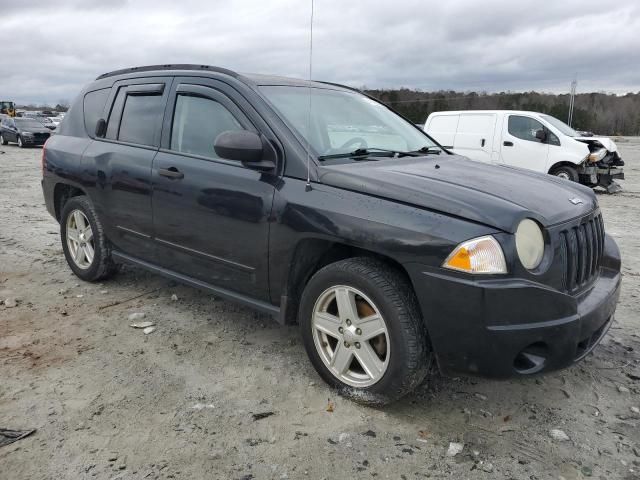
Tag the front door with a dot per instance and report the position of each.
(520, 147)
(210, 215)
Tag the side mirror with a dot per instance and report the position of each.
(541, 135)
(101, 128)
(243, 146)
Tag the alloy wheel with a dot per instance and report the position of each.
(351, 336)
(80, 239)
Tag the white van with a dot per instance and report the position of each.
(530, 140)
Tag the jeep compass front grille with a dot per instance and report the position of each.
(581, 248)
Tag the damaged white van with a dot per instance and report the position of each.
(530, 140)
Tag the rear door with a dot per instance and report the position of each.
(520, 147)
(9, 131)
(211, 215)
(122, 160)
(474, 136)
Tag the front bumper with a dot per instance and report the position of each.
(35, 140)
(509, 327)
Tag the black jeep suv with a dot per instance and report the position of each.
(320, 205)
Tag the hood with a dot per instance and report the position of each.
(604, 141)
(34, 129)
(498, 196)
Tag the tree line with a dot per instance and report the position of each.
(601, 113)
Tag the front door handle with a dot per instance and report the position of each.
(508, 144)
(171, 172)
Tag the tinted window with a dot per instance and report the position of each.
(139, 118)
(197, 122)
(93, 107)
(524, 127)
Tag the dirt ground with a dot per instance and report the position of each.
(111, 402)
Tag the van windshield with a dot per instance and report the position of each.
(342, 122)
(560, 125)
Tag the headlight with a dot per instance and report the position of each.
(480, 255)
(597, 155)
(529, 243)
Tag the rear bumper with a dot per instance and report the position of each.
(47, 192)
(510, 327)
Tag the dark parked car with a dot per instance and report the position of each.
(386, 249)
(23, 131)
(45, 121)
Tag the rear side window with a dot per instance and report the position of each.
(93, 107)
(197, 122)
(139, 118)
(524, 128)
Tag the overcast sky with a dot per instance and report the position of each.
(52, 48)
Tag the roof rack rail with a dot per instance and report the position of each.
(168, 66)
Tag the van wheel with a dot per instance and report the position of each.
(2, 140)
(566, 172)
(363, 331)
(86, 248)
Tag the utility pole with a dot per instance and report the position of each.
(572, 98)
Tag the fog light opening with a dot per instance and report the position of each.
(531, 359)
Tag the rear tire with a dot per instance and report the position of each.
(566, 172)
(372, 288)
(2, 140)
(85, 246)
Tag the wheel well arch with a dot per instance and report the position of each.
(311, 255)
(562, 164)
(62, 192)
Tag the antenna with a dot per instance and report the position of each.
(572, 99)
(308, 187)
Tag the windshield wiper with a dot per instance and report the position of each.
(431, 149)
(381, 152)
(362, 153)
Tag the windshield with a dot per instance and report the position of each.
(27, 123)
(343, 122)
(560, 125)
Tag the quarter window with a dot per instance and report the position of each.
(93, 106)
(524, 128)
(139, 118)
(197, 122)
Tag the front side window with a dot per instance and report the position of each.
(340, 122)
(139, 118)
(524, 128)
(197, 121)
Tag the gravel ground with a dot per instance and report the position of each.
(111, 402)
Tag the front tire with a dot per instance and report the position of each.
(85, 246)
(566, 172)
(363, 332)
(20, 144)
(3, 141)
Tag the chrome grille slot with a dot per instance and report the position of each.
(581, 248)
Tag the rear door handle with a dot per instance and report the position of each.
(507, 144)
(171, 172)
